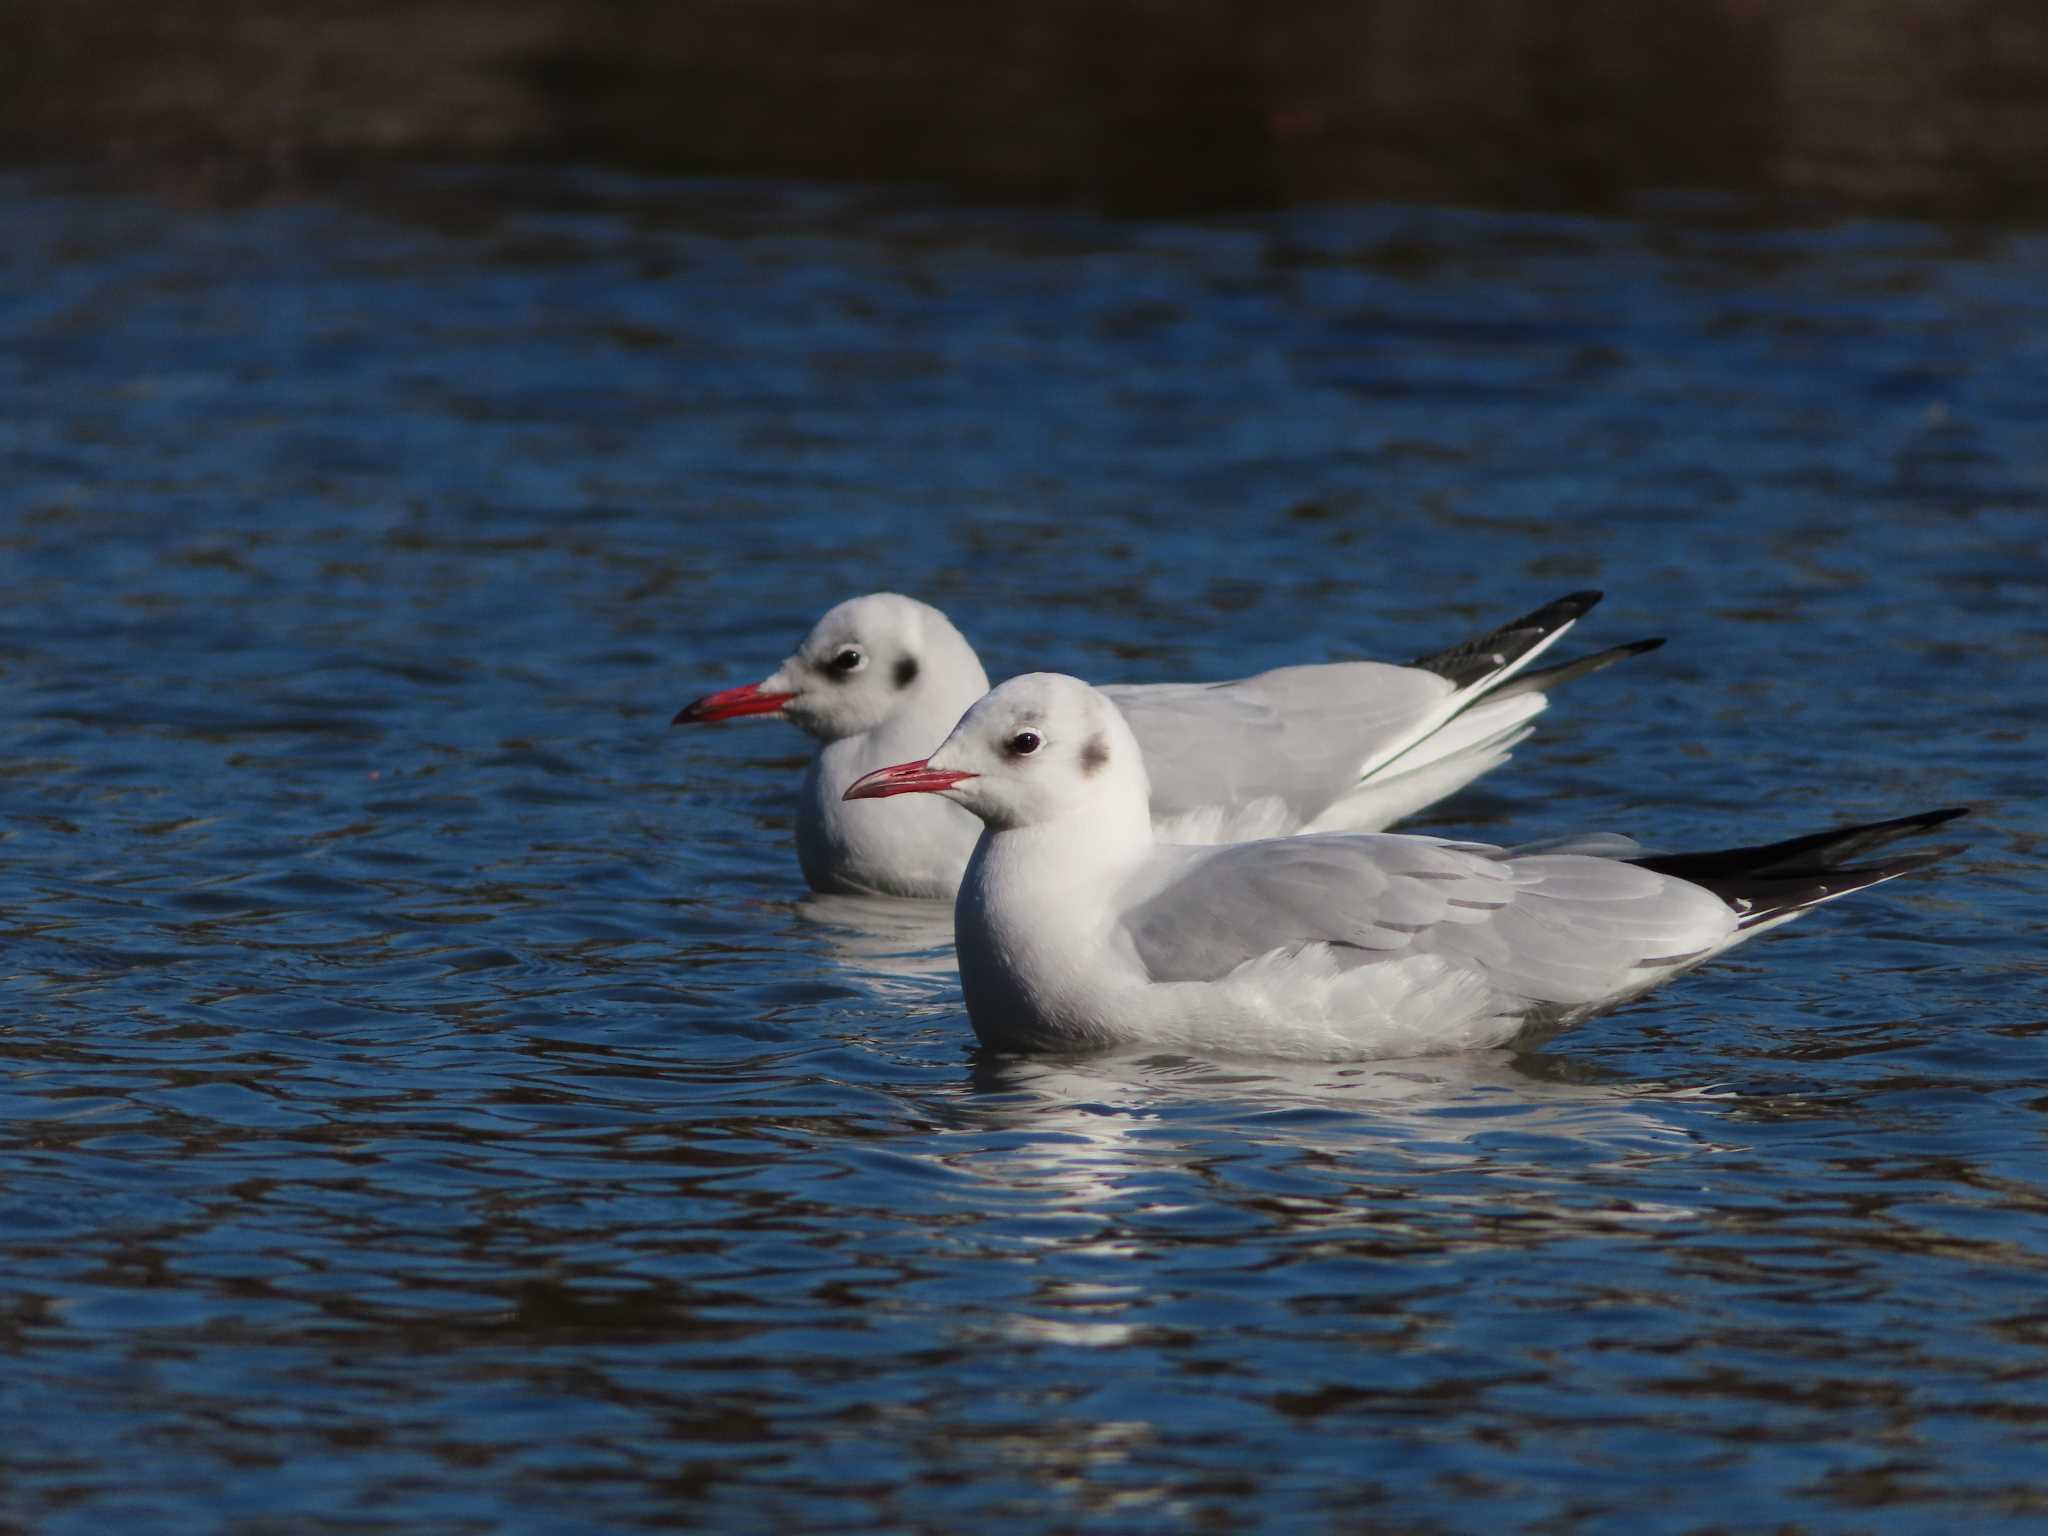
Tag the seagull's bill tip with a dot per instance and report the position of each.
(903, 779)
(749, 699)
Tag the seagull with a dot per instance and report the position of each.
(1078, 929)
(1350, 746)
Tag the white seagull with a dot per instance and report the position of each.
(1078, 929)
(1349, 746)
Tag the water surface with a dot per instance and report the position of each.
(433, 1103)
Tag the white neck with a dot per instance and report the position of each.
(1035, 921)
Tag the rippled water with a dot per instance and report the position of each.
(432, 1102)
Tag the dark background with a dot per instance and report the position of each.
(1932, 108)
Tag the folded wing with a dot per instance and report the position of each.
(1556, 930)
(1352, 746)
(1297, 738)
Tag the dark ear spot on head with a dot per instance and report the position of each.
(906, 672)
(1095, 754)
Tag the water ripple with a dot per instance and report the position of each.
(432, 1100)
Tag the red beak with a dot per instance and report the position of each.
(903, 779)
(731, 704)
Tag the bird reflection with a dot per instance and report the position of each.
(897, 948)
(1132, 1129)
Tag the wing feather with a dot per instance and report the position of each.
(1562, 930)
(1298, 736)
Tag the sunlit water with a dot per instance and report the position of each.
(433, 1104)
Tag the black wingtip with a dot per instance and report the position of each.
(1543, 679)
(1559, 612)
(1938, 818)
(1848, 842)
(1766, 881)
(1476, 659)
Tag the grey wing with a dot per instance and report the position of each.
(1554, 929)
(1299, 737)
(1600, 845)
(1210, 910)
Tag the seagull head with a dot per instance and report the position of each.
(1039, 748)
(863, 664)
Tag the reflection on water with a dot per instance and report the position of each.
(433, 1101)
(1089, 1128)
(884, 937)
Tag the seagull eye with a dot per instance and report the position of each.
(847, 662)
(1024, 743)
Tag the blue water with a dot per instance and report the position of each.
(432, 1102)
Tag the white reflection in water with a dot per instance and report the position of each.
(1162, 1171)
(898, 949)
(1125, 1129)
